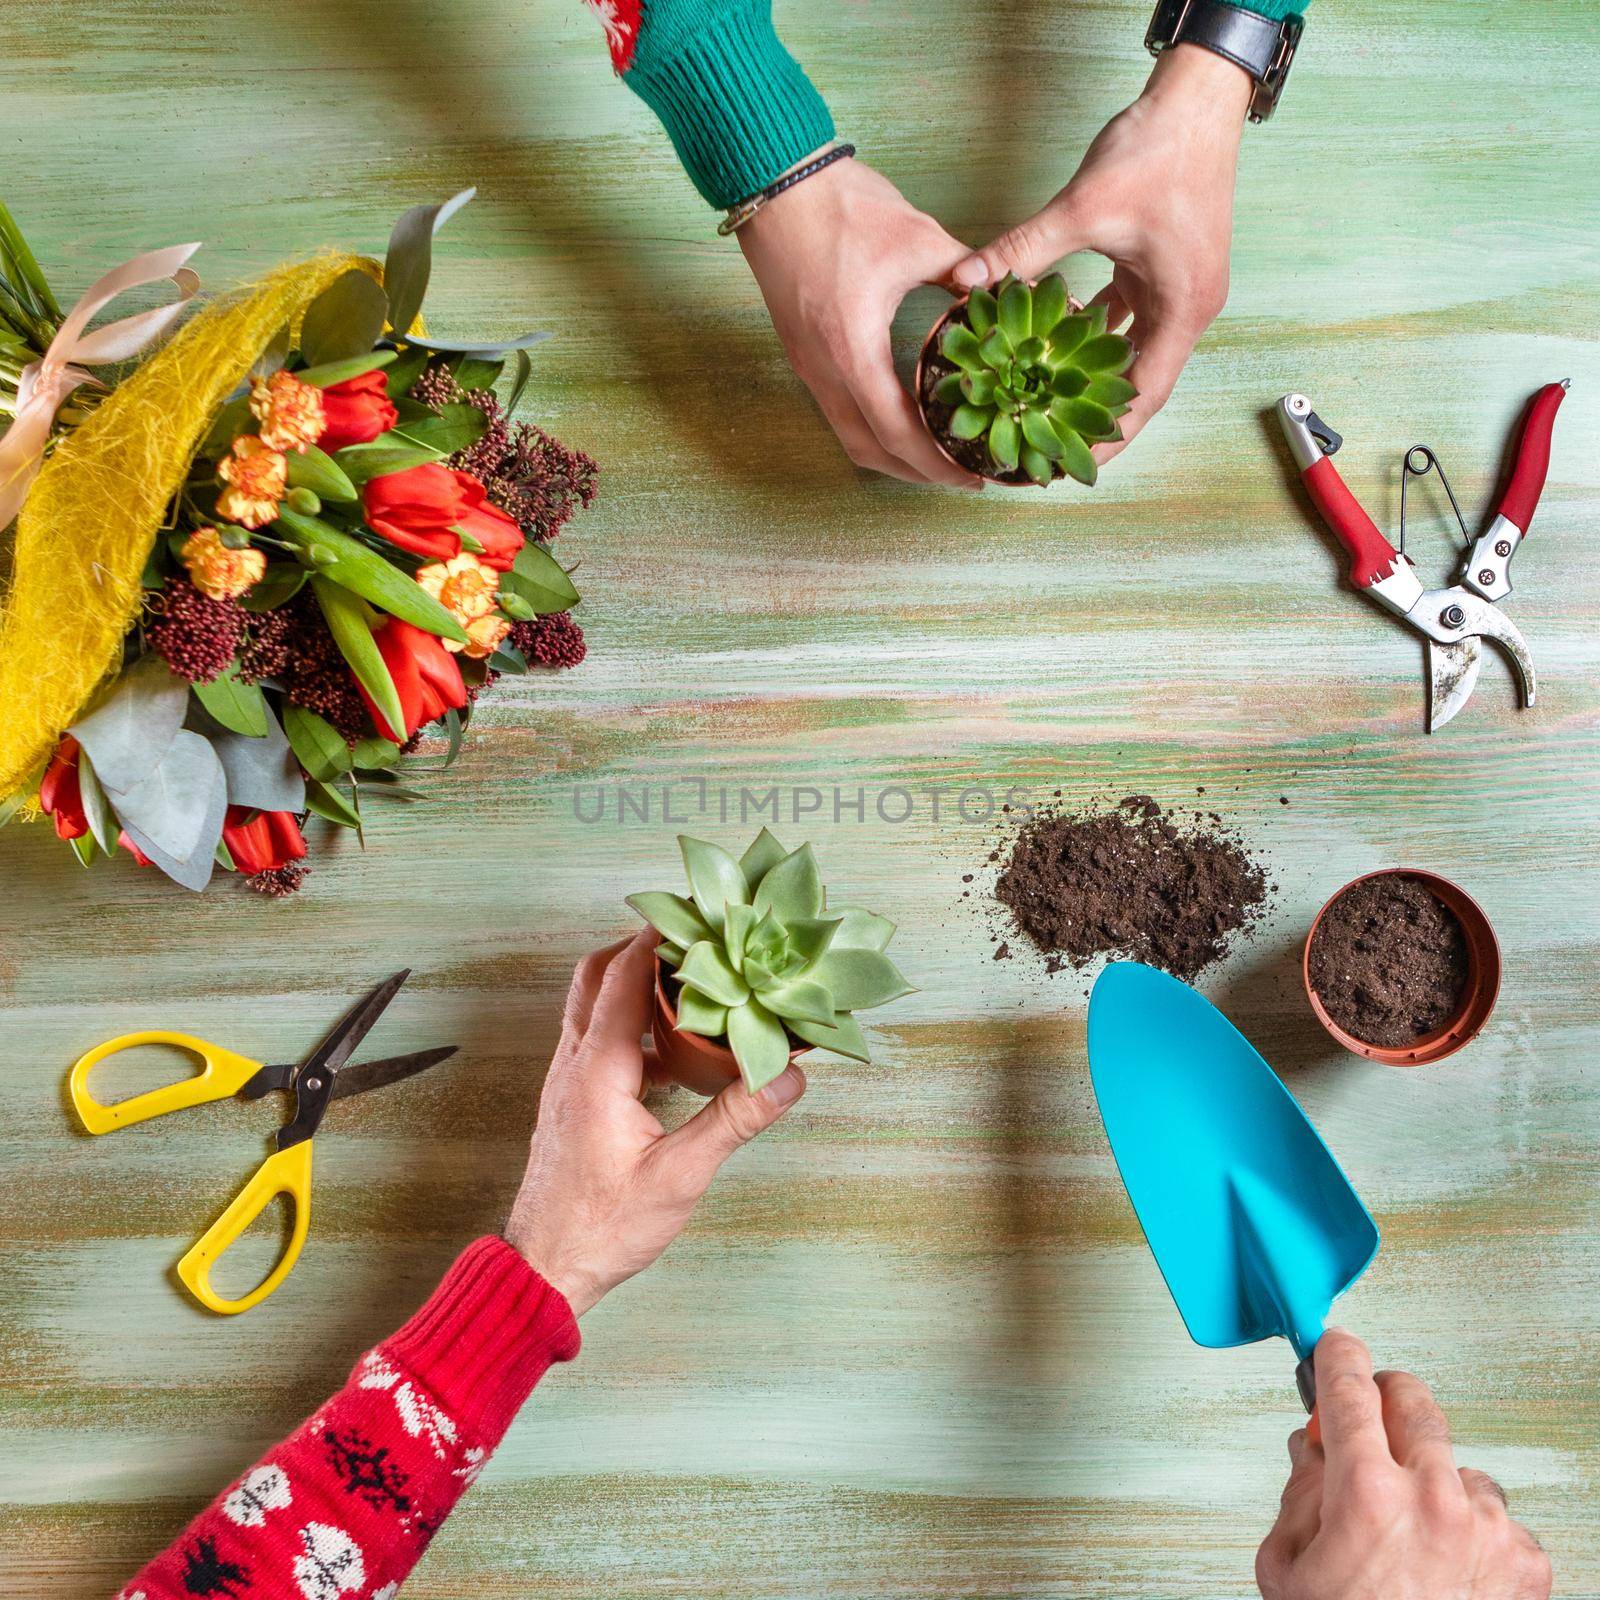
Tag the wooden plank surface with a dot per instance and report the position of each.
(913, 1344)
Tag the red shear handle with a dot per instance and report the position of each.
(1372, 557)
(1533, 456)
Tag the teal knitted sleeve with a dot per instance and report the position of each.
(735, 103)
(1276, 9)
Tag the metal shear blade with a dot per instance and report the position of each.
(1453, 666)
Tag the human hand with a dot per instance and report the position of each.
(1155, 194)
(1378, 1510)
(834, 257)
(607, 1189)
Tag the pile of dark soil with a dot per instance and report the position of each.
(1389, 961)
(1130, 881)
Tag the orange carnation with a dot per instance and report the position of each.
(257, 476)
(218, 571)
(289, 411)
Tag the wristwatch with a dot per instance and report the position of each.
(1264, 47)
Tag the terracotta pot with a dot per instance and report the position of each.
(705, 1065)
(1477, 996)
(929, 359)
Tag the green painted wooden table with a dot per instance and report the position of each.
(913, 1344)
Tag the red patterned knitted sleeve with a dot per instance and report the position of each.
(345, 1506)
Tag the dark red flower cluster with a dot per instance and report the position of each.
(553, 641)
(265, 651)
(314, 673)
(279, 882)
(195, 635)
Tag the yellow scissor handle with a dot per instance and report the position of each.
(284, 1172)
(222, 1073)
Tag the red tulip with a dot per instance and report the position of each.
(59, 795)
(425, 675)
(356, 411)
(261, 841)
(420, 509)
(140, 858)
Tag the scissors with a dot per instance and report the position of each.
(1453, 620)
(315, 1083)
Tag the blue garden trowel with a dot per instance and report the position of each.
(1251, 1221)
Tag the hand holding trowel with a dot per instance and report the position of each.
(1452, 620)
(1251, 1221)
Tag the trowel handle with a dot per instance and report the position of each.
(1305, 1380)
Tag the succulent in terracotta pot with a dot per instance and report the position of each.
(756, 963)
(1017, 382)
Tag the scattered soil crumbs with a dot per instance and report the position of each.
(1130, 881)
(1389, 961)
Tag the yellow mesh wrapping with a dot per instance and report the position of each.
(93, 513)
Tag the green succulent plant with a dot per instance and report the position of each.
(1036, 381)
(759, 955)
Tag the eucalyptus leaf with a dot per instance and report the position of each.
(238, 706)
(345, 320)
(332, 372)
(133, 728)
(490, 352)
(759, 1044)
(409, 263)
(262, 771)
(194, 871)
(172, 804)
(522, 370)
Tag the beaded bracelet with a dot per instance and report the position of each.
(740, 214)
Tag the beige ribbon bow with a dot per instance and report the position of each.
(45, 384)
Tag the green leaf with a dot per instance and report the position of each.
(858, 978)
(949, 389)
(332, 372)
(1030, 352)
(456, 426)
(409, 262)
(1040, 435)
(978, 387)
(273, 355)
(96, 808)
(454, 729)
(493, 352)
(960, 345)
(845, 1037)
(759, 1044)
(860, 929)
(696, 1014)
(1083, 417)
(1110, 392)
(1050, 301)
(763, 855)
(282, 582)
(374, 754)
(996, 349)
(706, 968)
(1038, 466)
(970, 422)
(1107, 353)
(507, 658)
(345, 320)
(797, 999)
(522, 368)
(239, 707)
(539, 579)
(671, 916)
(738, 923)
(1069, 383)
(232, 420)
(408, 367)
(83, 847)
(1016, 311)
(473, 373)
(363, 462)
(318, 746)
(317, 471)
(366, 573)
(1078, 462)
(1004, 442)
(1070, 333)
(331, 804)
(670, 953)
(715, 880)
(791, 889)
(347, 622)
(810, 936)
(25, 266)
(982, 311)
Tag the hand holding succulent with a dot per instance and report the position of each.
(759, 956)
(1033, 379)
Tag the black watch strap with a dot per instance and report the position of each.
(1260, 45)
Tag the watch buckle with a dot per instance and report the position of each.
(1264, 101)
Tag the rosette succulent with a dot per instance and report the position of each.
(1034, 381)
(762, 960)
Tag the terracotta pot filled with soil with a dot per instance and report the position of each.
(705, 1065)
(1402, 967)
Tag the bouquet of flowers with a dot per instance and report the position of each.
(254, 567)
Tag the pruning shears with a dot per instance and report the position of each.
(316, 1082)
(1454, 620)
